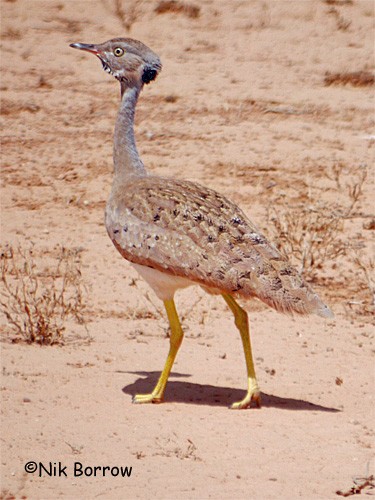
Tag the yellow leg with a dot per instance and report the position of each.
(156, 396)
(242, 323)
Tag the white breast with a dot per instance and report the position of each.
(164, 285)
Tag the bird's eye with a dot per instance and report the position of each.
(118, 51)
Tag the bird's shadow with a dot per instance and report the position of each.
(210, 395)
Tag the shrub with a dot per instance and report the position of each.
(37, 303)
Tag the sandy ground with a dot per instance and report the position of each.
(241, 105)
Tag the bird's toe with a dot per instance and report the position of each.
(146, 398)
(247, 401)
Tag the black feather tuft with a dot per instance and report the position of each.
(149, 74)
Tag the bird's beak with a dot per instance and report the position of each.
(89, 47)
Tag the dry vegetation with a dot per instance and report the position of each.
(129, 12)
(366, 266)
(128, 15)
(342, 23)
(360, 484)
(38, 302)
(312, 232)
(338, 2)
(313, 235)
(175, 6)
(354, 78)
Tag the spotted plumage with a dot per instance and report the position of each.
(188, 230)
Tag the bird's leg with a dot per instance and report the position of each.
(242, 323)
(156, 396)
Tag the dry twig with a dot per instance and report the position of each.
(367, 266)
(360, 484)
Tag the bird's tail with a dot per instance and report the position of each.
(303, 302)
(284, 289)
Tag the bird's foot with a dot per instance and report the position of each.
(252, 396)
(246, 402)
(147, 398)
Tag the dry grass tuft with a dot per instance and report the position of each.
(171, 98)
(342, 24)
(11, 34)
(355, 78)
(129, 15)
(37, 303)
(338, 2)
(357, 175)
(367, 267)
(310, 234)
(175, 6)
(170, 448)
(313, 231)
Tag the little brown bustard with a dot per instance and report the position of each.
(178, 233)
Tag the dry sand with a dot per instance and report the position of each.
(241, 105)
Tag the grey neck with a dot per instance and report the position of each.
(127, 162)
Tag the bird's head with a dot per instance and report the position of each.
(128, 60)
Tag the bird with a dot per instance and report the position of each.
(178, 233)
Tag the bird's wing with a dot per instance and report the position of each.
(182, 228)
(188, 230)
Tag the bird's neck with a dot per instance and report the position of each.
(127, 162)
